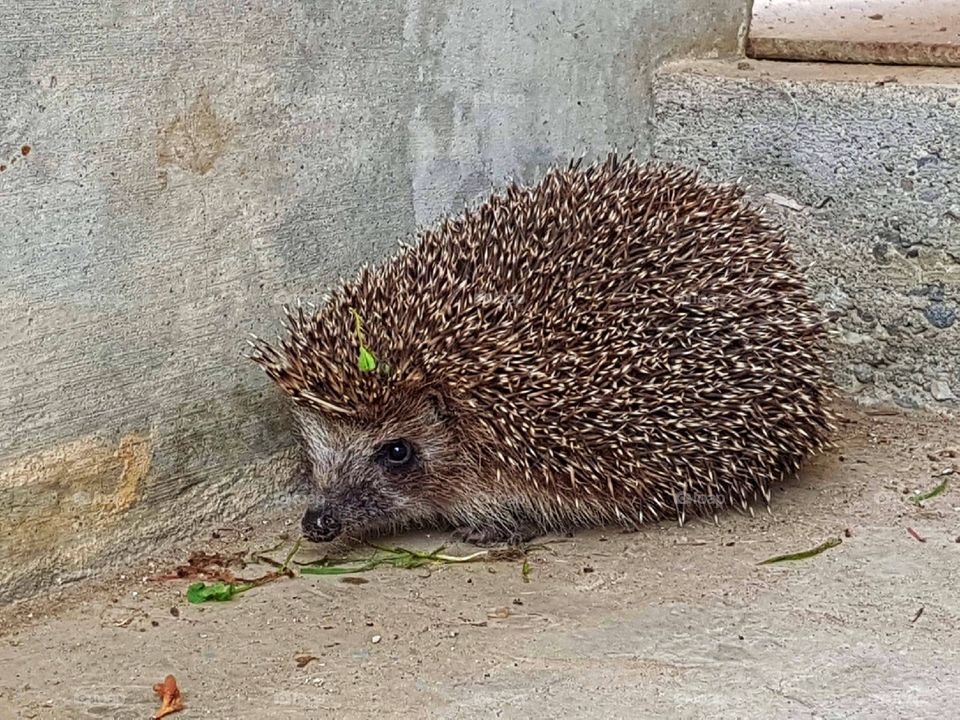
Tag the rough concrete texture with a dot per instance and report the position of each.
(170, 172)
(863, 168)
(668, 623)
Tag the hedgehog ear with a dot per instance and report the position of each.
(441, 405)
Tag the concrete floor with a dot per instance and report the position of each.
(668, 623)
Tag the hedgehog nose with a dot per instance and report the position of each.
(319, 525)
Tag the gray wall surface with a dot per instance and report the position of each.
(171, 171)
(862, 167)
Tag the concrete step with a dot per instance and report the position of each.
(862, 165)
(862, 31)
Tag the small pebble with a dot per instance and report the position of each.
(376, 639)
(941, 391)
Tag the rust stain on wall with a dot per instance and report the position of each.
(134, 455)
(194, 139)
(62, 500)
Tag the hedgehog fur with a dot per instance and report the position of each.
(619, 343)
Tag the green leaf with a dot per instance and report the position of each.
(290, 555)
(359, 325)
(825, 545)
(331, 569)
(526, 570)
(367, 362)
(219, 591)
(938, 490)
(392, 557)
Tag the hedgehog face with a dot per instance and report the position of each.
(370, 477)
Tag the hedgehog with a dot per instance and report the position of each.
(620, 343)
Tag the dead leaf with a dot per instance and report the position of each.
(304, 660)
(213, 566)
(216, 566)
(354, 580)
(501, 613)
(170, 699)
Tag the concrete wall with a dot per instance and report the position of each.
(863, 163)
(172, 170)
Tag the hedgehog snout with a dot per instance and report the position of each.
(320, 524)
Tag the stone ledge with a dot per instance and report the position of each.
(827, 72)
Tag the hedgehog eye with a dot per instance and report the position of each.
(397, 453)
